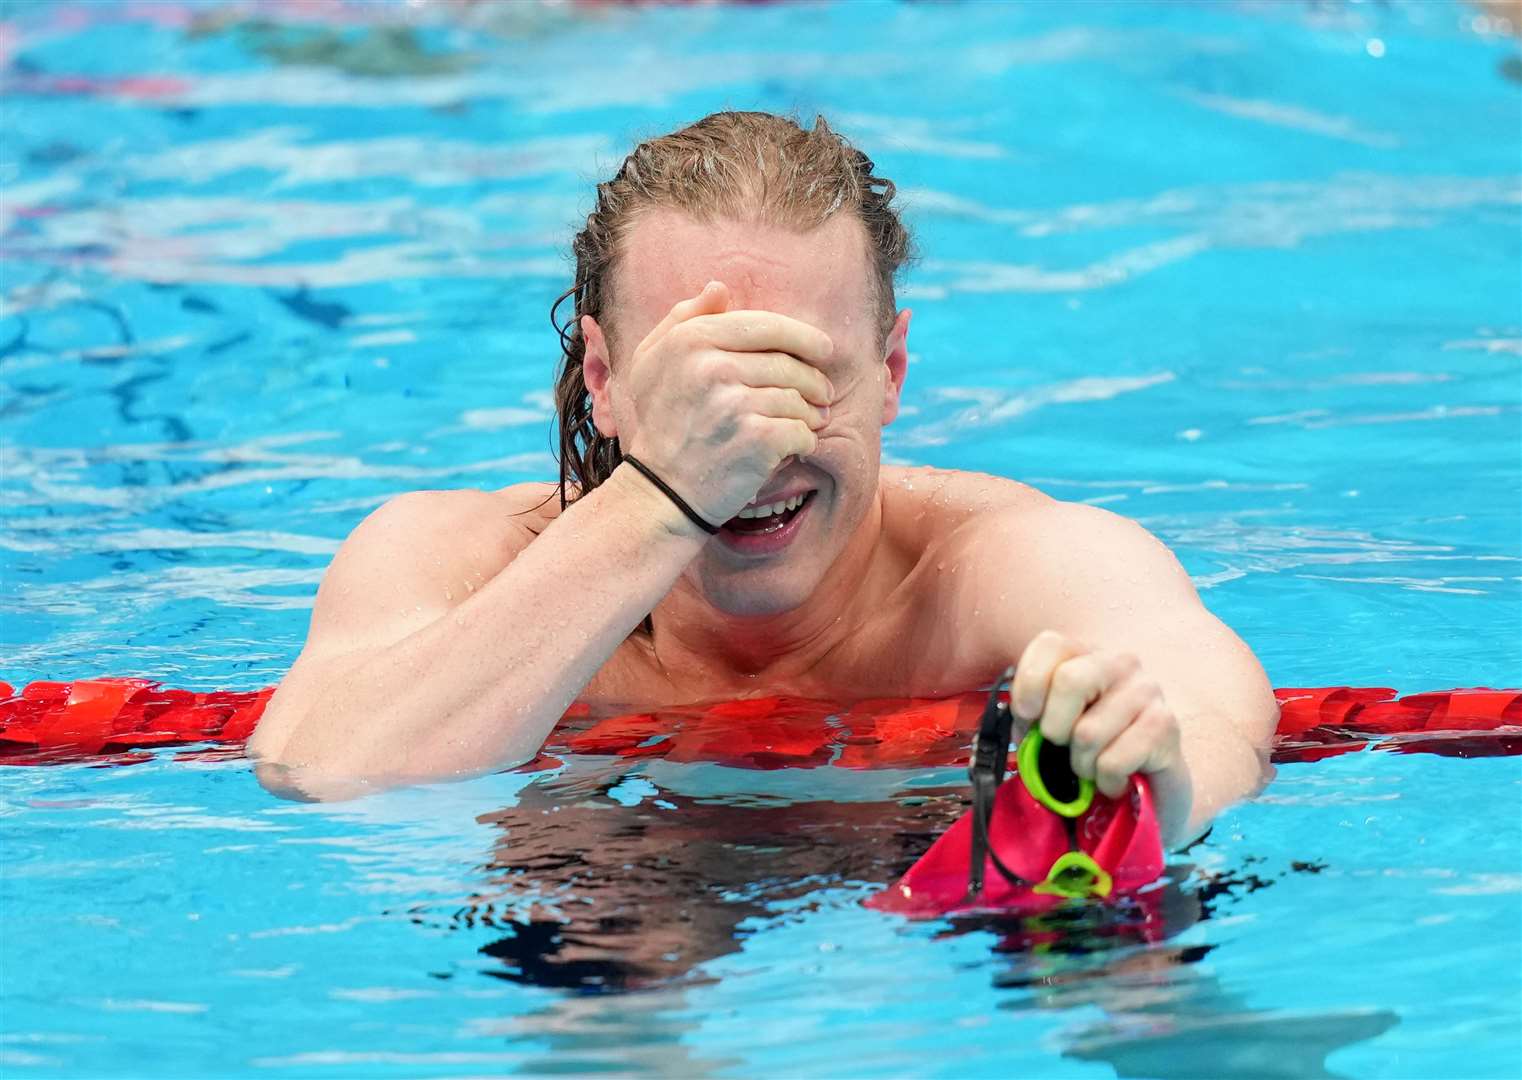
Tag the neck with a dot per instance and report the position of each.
(699, 644)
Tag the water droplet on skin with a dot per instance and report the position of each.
(448, 595)
(939, 567)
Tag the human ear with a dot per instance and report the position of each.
(596, 372)
(896, 359)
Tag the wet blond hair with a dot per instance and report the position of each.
(749, 166)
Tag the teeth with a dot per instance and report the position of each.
(767, 510)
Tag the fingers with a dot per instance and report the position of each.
(1057, 679)
(1149, 744)
(790, 438)
(1112, 714)
(786, 404)
(780, 369)
(763, 331)
(1034, 671)
(711, 301)
(764, 348)
(1113, 718)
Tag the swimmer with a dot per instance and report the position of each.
(723, 525)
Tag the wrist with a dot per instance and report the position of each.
(651, 504)
(672, 495)
(1173, 796)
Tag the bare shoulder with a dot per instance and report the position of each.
(407, 564)
(481, 526)
(1078, 569)
(1005, 538)
(927, 507)
(423, 552)
(1065, 550)
(954, 513)
(1069, 535)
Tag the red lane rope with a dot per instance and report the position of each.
(118, 720)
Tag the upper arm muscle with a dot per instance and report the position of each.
(403, 568)
(1106, 581)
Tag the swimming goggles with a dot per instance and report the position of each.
(1047, 773)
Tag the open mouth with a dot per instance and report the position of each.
(764, 519)
(765, 530)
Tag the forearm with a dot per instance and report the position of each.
(1219, 766)
(481, 687)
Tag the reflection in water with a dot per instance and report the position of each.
(592, 896)
(598, 896)
(1213, 1035)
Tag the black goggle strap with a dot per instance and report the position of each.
(990, 759)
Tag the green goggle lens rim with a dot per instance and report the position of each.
(1028, 758)
(1074, 875)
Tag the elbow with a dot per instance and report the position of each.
(300, 771)
(288, 767)
(311, 783)
(279, 781)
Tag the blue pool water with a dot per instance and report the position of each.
(1246, 273)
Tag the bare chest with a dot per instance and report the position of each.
(898, 654)
(920, 640)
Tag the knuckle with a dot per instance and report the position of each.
(1158, 719)
(1068, 678)
(721, 366)
(752, 428)
(683, 335)
(732, 398)
(723, 412)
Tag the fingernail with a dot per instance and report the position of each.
(1027, 709)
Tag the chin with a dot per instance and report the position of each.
(759, 593)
